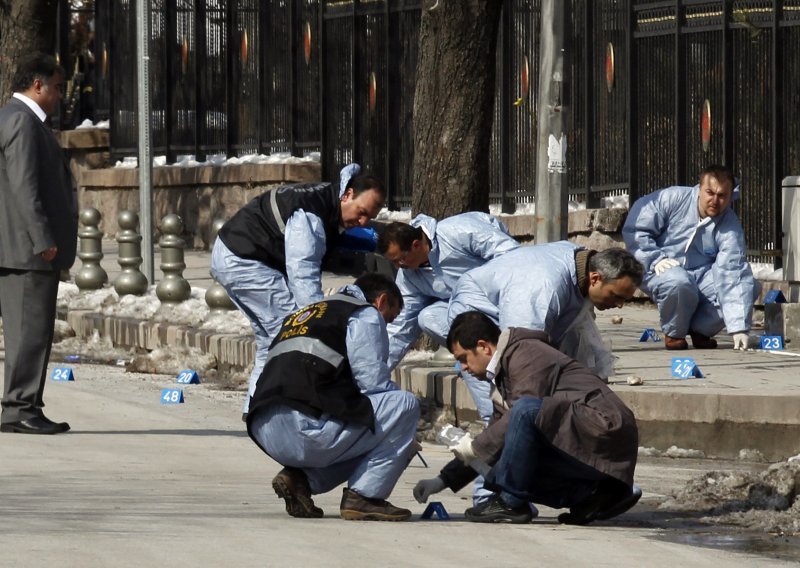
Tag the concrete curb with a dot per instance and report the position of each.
(717, 421)
(231, 351)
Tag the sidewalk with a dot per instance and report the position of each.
(746, 401)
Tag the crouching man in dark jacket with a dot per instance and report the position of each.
(559, 436)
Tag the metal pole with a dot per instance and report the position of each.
(551, 165)
(145, 152)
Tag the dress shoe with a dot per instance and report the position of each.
(63, 426)
(675, 343)
(627, 501)
(356, 507)
(702, 342)
(34, 425)
(607, 500)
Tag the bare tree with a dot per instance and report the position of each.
(25, 26)
(454, 106)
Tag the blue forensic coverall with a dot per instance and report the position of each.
(458, 244)
(534, 287)
(264, 294)
(331, 452)
(714, 285)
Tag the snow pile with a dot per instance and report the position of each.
(95, 348)
(87, 123)
(766, 271)
(671, 452)
(768, 501)
(173, 360)
(190, 161)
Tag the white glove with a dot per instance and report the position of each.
(427, 487)
(665, 264)
(741, 341)
(463, 449)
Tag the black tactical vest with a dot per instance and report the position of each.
(257, 230)
(307, 367)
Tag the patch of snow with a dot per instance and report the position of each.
(676, 452)
(190, 161)
(87, 123)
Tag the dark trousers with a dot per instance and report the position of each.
(28, 300)
(530, 469)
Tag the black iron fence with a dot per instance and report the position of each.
(655, 90)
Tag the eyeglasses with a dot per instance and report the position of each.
(400, 258)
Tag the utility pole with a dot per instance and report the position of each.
(551, 165)
(145, 149)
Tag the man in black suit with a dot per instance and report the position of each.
(38, 238)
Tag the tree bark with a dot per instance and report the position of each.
(25, 26)
(454, 106)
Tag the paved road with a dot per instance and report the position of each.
(136, 483)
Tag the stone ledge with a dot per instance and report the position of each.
(710, 407)
(718, 424)
(236, 351)
(83, 139)
(791, 290)
(167, 176)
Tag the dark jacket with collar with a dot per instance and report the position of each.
(308, 367)
(256, 231)
(580, 414)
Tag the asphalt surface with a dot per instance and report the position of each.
(138, 483)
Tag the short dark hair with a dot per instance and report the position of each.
(720, 173)
(469, 328)
(34, 66)
(401, 234)
(362, 183)
(615, 263)
(373, 284)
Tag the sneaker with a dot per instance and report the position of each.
(291, 485)
(675, 343)
(495, 510)
(702, 342)
(356, 507)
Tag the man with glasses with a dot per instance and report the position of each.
(38, 238)
(431, 255)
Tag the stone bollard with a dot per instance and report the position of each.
(91, 276)
(131, 280)
(174, 288)
(216, 296)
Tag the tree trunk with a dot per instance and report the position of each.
(25, 26)
(454, 106)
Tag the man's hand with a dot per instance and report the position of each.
(665, 264)
(50, 254)
(463, 449)
(427, 487)
(741, 341)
